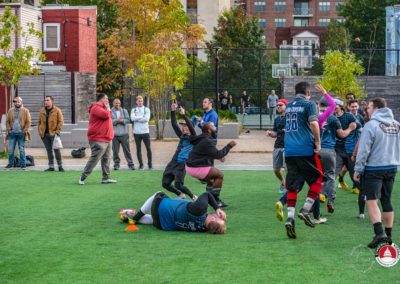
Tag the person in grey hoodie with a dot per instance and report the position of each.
(376, 163)
(120, 120)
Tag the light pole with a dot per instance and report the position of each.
(217, 49)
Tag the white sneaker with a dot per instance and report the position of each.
(104, 181)
(320, 220)
(361, 216)
(81, 181)
(194, 198)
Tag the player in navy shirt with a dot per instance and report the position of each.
(180, 215)
(302, 144)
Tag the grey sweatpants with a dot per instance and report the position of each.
(100, 150)
(328, 162)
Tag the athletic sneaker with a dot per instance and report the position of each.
(81, 181)
(355, 190)
(194, 198)
(320, 220)
(123, 218)
(282, 190)
(305, 216)
(330, 208)
(130, 218)
(361, 216)
(290, 228)
(279, 211)
(222, 204)
(342, 184)
(322, 198)
(377, 240)
(104, 181)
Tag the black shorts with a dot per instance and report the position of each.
(174, 171)
(154, 209)
(300, 169)
(378, 184)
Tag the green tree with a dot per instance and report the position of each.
(366, 20)
(337, 36)
(243, 53)
(340, 74)
(14, 62)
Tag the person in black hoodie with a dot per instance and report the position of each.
(175, 170)
(200, 163)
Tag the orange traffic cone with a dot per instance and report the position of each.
(132, 228)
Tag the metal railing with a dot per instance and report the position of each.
(304, 12)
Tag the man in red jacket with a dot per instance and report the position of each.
(100, 133)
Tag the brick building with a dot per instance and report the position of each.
(292, 13)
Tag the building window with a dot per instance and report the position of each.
(259, 6)
(261, 23)
(51, 37)
(324, 22)
(301, 22)
(341, 20)
(324, 6)
(280, 22)
(191, 10)
(338, 6)
(280, 6)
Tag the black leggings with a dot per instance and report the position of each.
(200, 206)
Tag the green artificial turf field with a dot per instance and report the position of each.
(53, 230)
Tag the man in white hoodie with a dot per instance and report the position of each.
(140, 115)
(377, 159)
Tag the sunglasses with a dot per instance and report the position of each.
(15, 102)
(280, 105)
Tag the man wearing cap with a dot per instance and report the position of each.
(17, 126)
(175, 170)
(279, 146)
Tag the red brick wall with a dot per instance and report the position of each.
(78, 41)
(3, 99)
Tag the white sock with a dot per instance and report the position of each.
(146, 208)
(146, 219)
(290, 212)
(309, 202)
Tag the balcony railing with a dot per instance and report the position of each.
(303, 12)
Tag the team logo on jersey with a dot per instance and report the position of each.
(393, 128)
(387, 255)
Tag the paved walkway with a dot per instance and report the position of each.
(252, 152)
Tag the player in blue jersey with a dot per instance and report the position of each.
(210, 115)
(175, 170)
(180, 215)
(329, 132)
(302, 144)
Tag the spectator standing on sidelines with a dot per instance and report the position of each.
(377, 160)
(271, 105)
(225, 100)
(140, 115)
(18, 121)
(50, 123)
(302, 144)
(210, 115)
(120, 120)
(245, 102)
(100, 133)
(278, 131)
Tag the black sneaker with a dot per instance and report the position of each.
(132, 167)
(141, 167)
(49, 170)
(61, 169)
(23, 167)
(304, 215)
(9, 166)
(150, 167)
(291, 233)
(116, 167)
(222, 204)
(377, 240)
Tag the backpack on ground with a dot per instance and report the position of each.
(30, 161)
(79, 153)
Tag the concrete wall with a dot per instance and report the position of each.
(377, 86)
(84, 94)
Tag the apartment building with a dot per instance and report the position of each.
(292, 13)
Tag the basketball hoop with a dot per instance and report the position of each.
(281, 76)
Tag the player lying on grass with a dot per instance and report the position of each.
(200, 163)
(175, 170)
(180, 215)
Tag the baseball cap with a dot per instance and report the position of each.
(338, 101)
(283, 101)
